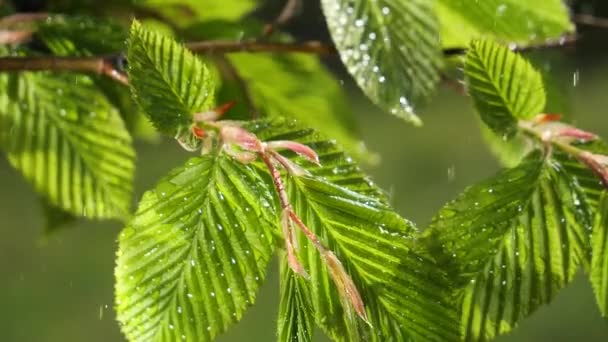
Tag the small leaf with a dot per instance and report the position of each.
(69, 142)
(167, 80)
(191, 260)
(504, 86)
(512, 242)
(599, 261)
(296, 321)
(507, 21)
(391, 49)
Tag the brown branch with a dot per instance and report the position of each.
(96, 65)
(19, 18)
(589, 20)
(291, 8)
(252, 46)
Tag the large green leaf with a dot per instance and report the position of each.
(296, 321)
(390, 47)
(512, 242)
(405, 293)
(508, 21)
(504, 86)
(167, 80)
(599, 261)
(69, 142)
(192, 258)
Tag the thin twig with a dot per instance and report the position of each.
(252, 46)
(291, 8)
(230, 71)
(589, 20)
(20, 18)
(96, 65)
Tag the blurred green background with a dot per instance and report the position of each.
(60, 288)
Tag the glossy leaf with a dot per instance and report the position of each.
(296, 321)
(191, 260)
(404, 292)
(507, 21)
(504, 86)
(512, 242)
(390, 47)
(167, 80)
(599, 261)
(69, 142)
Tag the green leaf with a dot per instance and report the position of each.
(191, 260)
(296, 321)
(337, 167)
(510, 152)
(167, 80)
(599, 260)
(512, 242)
(504, 86)
(68, 142)
(508, 21)
(405, 294)
(82, 36)
(390, 47)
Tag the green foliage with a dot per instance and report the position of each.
(69, 142)
(82, 36)
(390, 47)
(507, 21)
(193, 256)
(296, 321)
(167, 80)
(504, 86)
(513, 242)
(599, 261)
(300, 88)
(343, 207)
